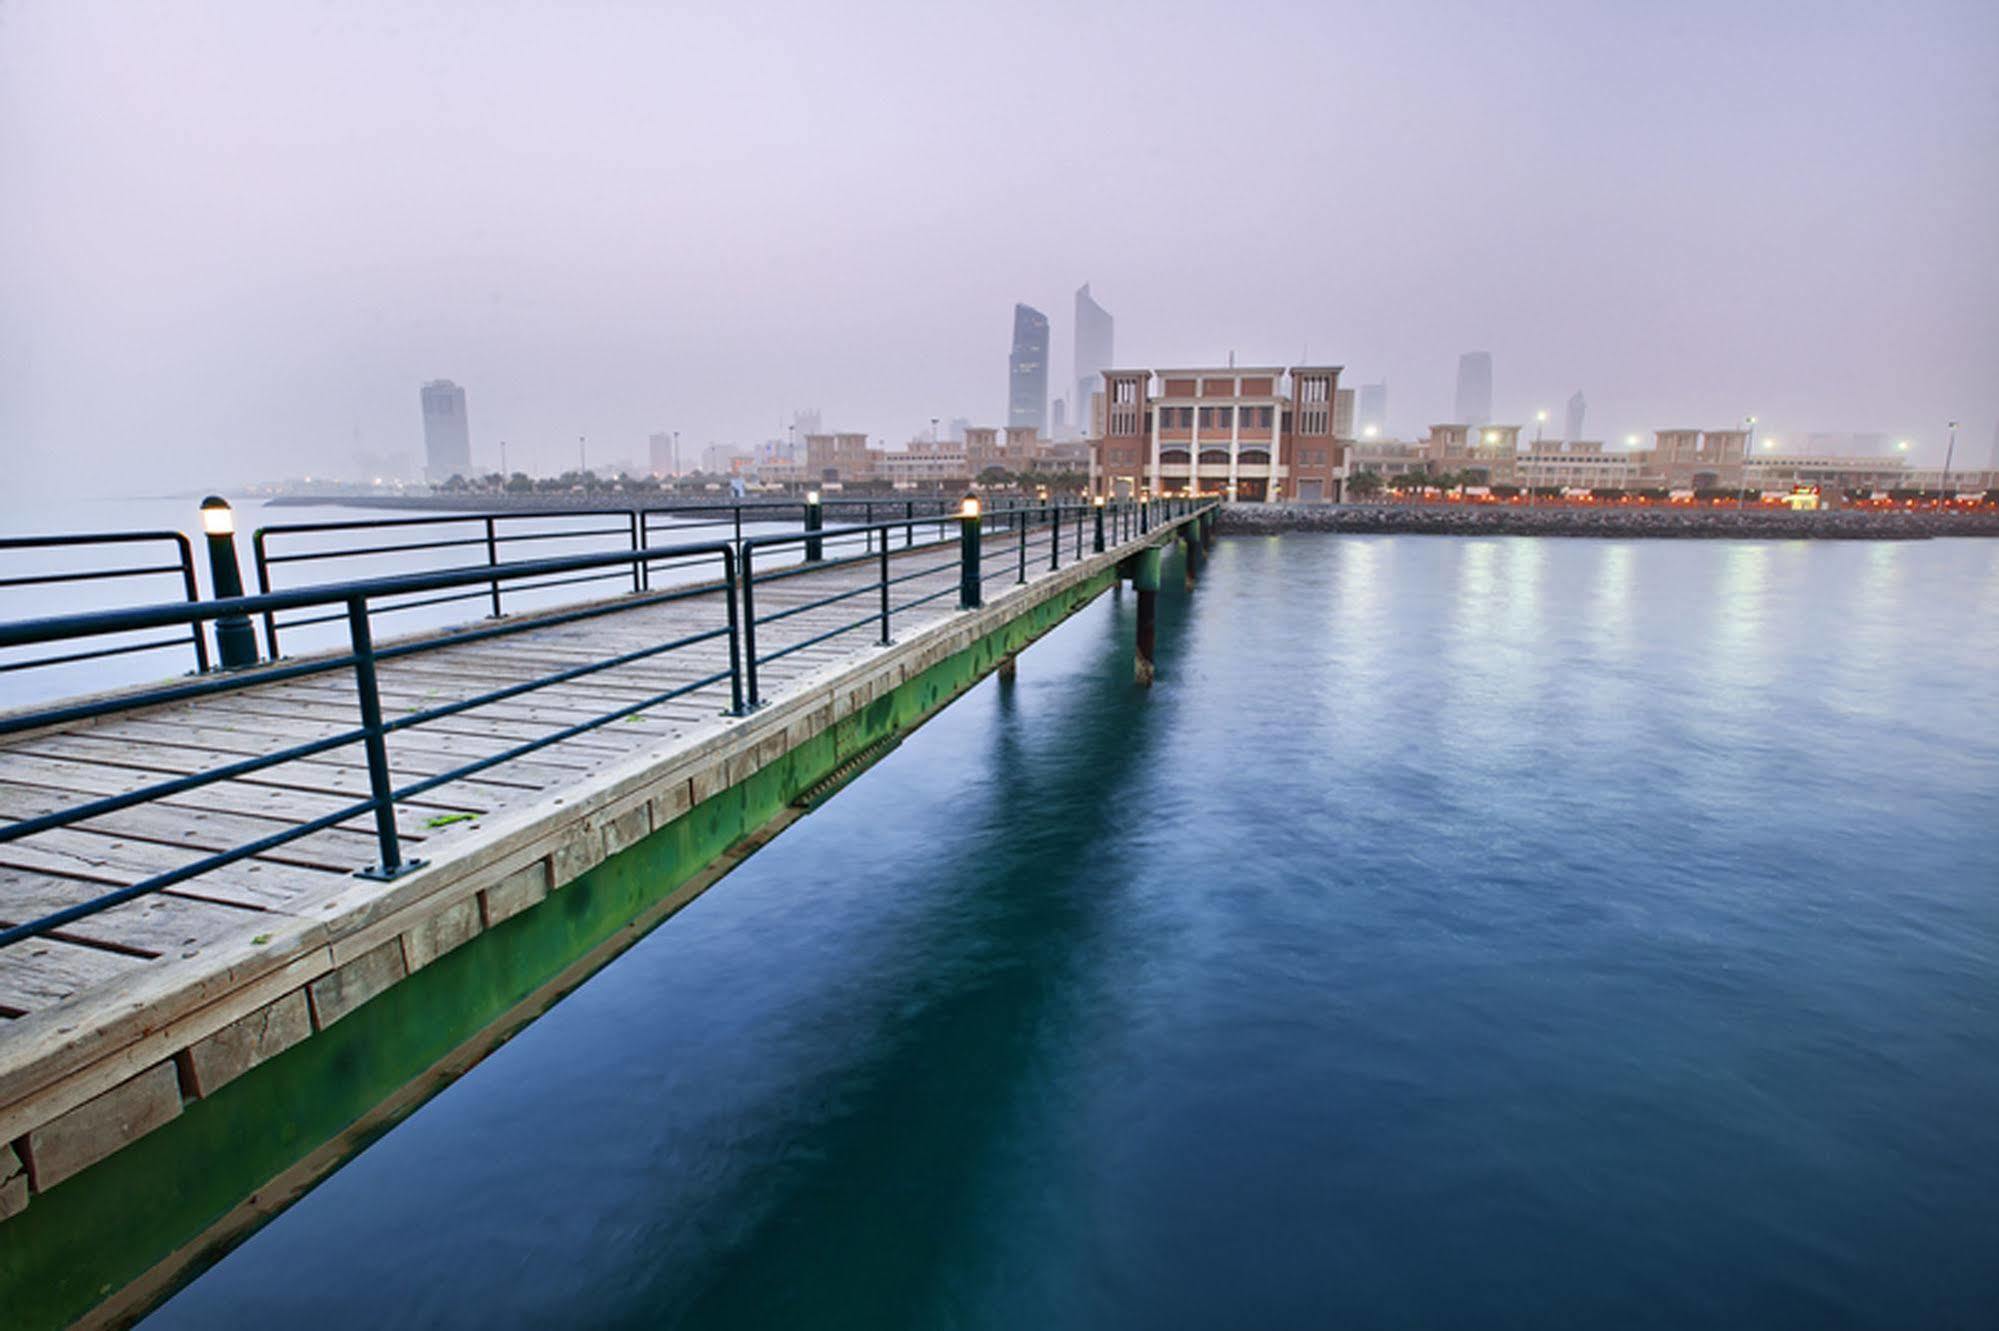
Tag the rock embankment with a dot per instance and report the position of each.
(1671, 523)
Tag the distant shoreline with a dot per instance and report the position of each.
(1256, 519)
(1616, 523)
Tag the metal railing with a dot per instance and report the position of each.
(1029, 537)
(484, 539)
(361, 659)
(182, 564)
(480, 537)
(853, 544)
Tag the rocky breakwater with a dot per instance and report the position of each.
(1621, 523)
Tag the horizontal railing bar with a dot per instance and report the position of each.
(199, 688)
(71, 657)
(89, 538)
(479, 633)
(815, 639)
(566, 733)
(821, 603)
(479, 542)
(158, 882)
(86, 624)
(435, 519)
(91, 575)
(560, 677)
(14, 831)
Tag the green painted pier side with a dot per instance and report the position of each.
(154, 1118)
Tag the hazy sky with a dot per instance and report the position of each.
(237, 237)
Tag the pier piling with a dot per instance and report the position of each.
(1145, 577)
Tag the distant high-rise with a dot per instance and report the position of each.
(1343, 413)
(1373, 410)
(1027, 370)
(959, 424)
(1474, 388)
(1058, 418)
(1993, 461)
(1572, 424)
(665, 455)
(805, 421)
(1095, 340)
(447, 439)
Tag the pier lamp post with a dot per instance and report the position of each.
(814, 520)
(1943, 482)
(968, 553)
(1748, 442)
(1540, 419)
(235, 640)
(1098, 505)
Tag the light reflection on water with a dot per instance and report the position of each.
(1462, 933)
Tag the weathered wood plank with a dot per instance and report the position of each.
(43, 971)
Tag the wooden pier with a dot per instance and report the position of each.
(175, 1068)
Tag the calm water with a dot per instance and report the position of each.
(1463, 933)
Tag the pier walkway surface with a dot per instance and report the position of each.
(249, 917)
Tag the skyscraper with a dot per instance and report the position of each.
(1058, 417)
(1572, 424)
(1343, 413)
(1027, 370)
(1474, 388)
(447, 439)
(1993, 461)
(1094, 352)
(1373, 412)
(664, 454)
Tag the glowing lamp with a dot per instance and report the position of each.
(970, 507)
(811, 496)
(217, 518)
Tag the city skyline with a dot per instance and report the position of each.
(545, 245)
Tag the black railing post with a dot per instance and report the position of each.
(262, 562)
(235, 640)
(969, 597)
(736, 707)
(1054, 538)
(639, 571)
(815, 549)
(1020, 518)
(749, 625)
(909, 520)
(1097, 546)
(193, 590)
(884, 587)
(381, 790)
(493, 561)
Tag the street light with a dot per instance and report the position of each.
(1748, 440)
(235, 640)
(1943, 483)
(1540, 419)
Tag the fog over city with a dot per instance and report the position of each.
(238, 237)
